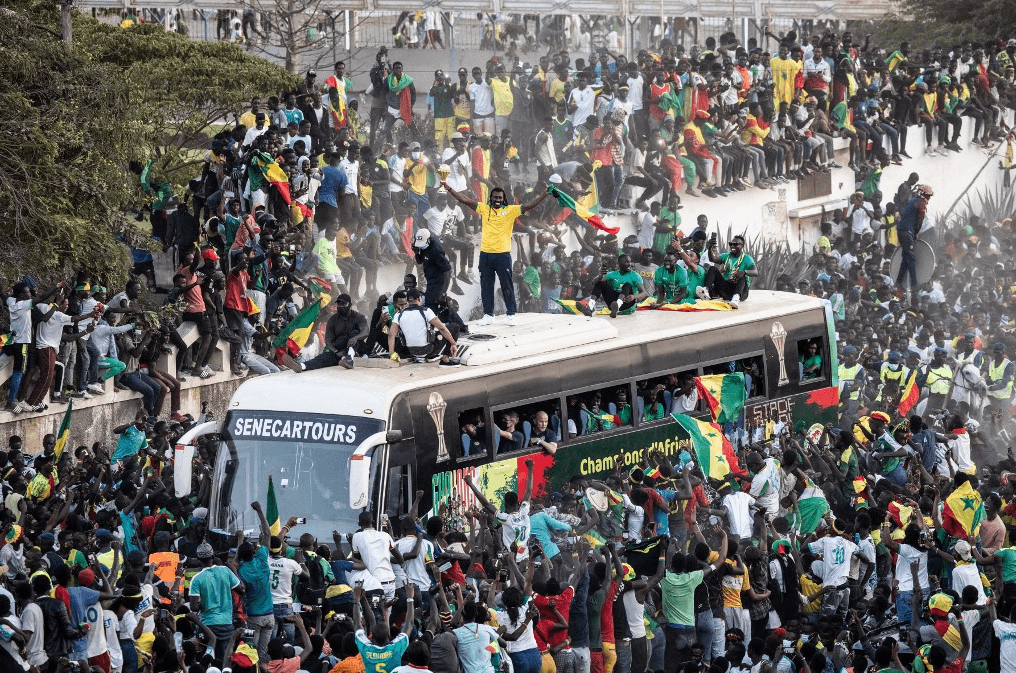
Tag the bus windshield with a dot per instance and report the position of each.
(307, 457)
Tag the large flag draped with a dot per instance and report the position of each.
(963, 512)
(712, 449)
(582, 209)
(272, 509)
(911, 394)
(724, 393)
(263, 169)
(649, 304)
(811, 506)
(64, 433)
(298, 331)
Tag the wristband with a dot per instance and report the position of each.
(410, 600)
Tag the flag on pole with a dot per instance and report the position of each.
(294, 336)
(963, 512)
(272, 509)
(911, 394)
(713, 451)
(900, 514)
(581, 209)
(724, 393)
(64, 433)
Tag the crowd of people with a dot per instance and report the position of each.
(829, 551)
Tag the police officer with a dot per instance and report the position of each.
(891, 377)
(937, 378)
(1000, 382)
(851, 375)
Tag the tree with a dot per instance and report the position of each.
(926, 23)
(73, 118)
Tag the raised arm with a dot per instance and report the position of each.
(467, 201)
(479, 496)
(266, 530)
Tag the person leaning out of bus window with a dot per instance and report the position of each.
(730, 278)
(512, 438)
(415, 323)
(542, 434)
(474, 435)
(345, 331)
(810, 363)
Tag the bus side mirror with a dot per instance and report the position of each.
(360, 466)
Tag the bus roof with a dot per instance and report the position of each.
(538, 338)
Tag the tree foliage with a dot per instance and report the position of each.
(73, 118)
(927, 23)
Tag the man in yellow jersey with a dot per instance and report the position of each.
(497, 219)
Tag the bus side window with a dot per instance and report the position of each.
(528, 426)
(475, 439)
(599, 410)
(809, 359)
(659, 396)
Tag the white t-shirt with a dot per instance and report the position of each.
(685, 403)
(396, 168)
(370, 582)
(765, 486)
(96, 636)
(111, 624)
(1006, 633)
(585, 101)
(738, 506)
(461, 167)
(443, 221)
(252, 133)
(375, 548)
(967, 574)
(128, 623)
(635, 86)
(352, 171)
(415, 569)
(836, 553)
(282, 571)
(6, 633)
(31, 620)
(21, 319)
(634, 612)
(516, 530)
(483, 99)
(413, 324)
(49, 333)
(961, 452)
(907, 554)
(527, 641)
(636, 520)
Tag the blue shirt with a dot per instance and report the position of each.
(381, 659)
(473, 640)
(333, 181)
(131, 441)
(256, 578)
(540, 525)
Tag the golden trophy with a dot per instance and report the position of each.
(443, 171)
(779, 337)
(436, 407)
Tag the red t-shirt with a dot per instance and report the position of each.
(607, 614)
(195, 302)
(236, 286)
(543, 628)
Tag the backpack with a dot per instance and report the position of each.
(431, 332)
(311, 589)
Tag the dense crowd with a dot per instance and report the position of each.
(846, 548)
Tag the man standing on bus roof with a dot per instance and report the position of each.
(497, 219)
(345, 330)
(429, 252)
(516, 529)
(730, 278)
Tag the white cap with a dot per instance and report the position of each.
(555, 179)
(422, 237)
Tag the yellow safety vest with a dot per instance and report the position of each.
(938, 379)
(995, 375)
(887, 374)
(850, 374)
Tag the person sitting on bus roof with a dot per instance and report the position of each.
(345, 332)
(670, 281)
(621, 290)
(730, 278)
(420, 328)
(381, 320)
(542, 434)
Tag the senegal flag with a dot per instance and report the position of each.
(6, 339)
(65, 431)
(963, 512)
(299, 329)
(724, 393)
(272, 509)
(911, 394)
(811, 507)
(264, 170)
(582, 210)
(713, 451)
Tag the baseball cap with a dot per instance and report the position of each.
(850, 350)
(998, 347)
(199, 515)
(47, 537)
(458, 136)
(103, 534)
(210, 255)
(86, 577)
(422, 237)
(962, 549)
(414, 145)
(941, 351)
(205, 550)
